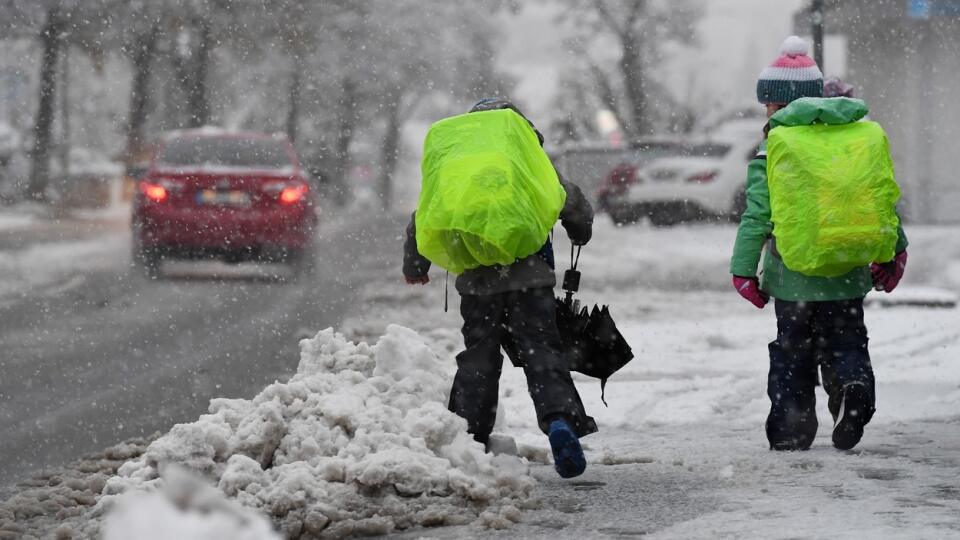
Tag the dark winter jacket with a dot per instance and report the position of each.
(529, 272)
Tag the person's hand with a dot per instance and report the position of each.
(887, 276)
(749, 288)
(422, 280)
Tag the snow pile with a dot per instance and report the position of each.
(187, 509)
(357, 442)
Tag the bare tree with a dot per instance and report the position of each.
(640, 29)
(140, 28)
(326, 72)
(56, 24)
(421, 49)
(52, 43)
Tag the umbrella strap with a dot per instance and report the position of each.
(603, 389)
(574, 263)
(446, 293)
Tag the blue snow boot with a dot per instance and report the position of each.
(568, 457)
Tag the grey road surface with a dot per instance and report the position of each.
(111, 355)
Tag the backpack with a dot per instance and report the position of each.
(490, 194)
(832, 196)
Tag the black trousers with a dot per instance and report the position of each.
(830, 334)
(524, 324)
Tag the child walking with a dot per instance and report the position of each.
(510, 306)
(820, 203)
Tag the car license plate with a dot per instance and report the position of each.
(223, 198)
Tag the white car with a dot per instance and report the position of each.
(707, 182)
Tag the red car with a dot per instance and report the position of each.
(236, 196)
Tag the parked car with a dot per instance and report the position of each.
(707, 180)
(588, 164)
(623, 174)
(236, 196)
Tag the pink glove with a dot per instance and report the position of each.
(749, 288)
(886, 276)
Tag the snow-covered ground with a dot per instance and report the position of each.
(681, 451)
(52, 266)
(11, 220)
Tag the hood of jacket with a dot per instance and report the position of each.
(808, 110)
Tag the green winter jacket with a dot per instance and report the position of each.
(756, 230)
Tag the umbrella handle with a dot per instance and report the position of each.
(571, 281)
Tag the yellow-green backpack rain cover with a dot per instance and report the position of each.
(490, 194)
(832, 196)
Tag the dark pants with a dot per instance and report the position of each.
(831, 334)
(524, 324)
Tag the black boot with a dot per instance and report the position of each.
(853, 415)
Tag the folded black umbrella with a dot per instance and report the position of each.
(572, 323)
(593, 344)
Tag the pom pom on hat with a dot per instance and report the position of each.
(795, 46)
(792, 75)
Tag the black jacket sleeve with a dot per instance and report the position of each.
(414, 264)
(576, 215)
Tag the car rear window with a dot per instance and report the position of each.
(645, 151)
(710, 150)
(224, 152)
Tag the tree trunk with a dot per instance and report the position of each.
(390, 152)
(609, 98)
(140, 91)
(198, 100)
(293, 112)
(184, 81)
(65, 113)
(347, 119)
(51, 38)
(634, 78)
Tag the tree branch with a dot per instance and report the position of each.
(607, 95)
(637, 7)
(609, 19)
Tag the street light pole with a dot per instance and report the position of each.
(816, 18)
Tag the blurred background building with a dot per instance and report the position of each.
(903, 57)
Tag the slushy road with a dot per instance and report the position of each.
(100, 354)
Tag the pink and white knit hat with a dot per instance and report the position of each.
(793, 75)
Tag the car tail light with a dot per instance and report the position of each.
(154, 192)
(293, 195)
(703, 177)
(619, 179)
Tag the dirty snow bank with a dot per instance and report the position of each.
(357, 442)
(54, 504)
(186, 509)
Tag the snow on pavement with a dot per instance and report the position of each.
(185, 508)
(681, 451)
(55, 267)
(16, 221)
(358, 442)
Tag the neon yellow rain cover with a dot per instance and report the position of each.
(832, 196)
(490, 194)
